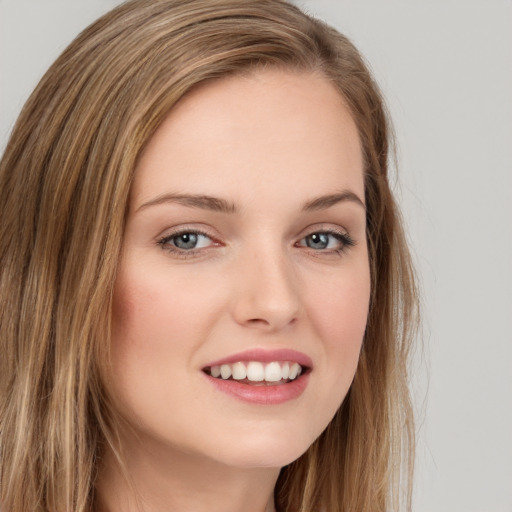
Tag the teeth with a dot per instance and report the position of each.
(273, 372)
(239, 371)
(256, 371)
(225, 371)
(285, 371)
(294, 371)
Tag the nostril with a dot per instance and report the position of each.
(270, 323)
(258, 321)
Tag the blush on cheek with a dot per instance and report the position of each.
(131, 320)
(344, 326)
(125, 298)
(122, 308)
(135, 301)
(346, 317)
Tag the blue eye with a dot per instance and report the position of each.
(185, 241)
(318, 240)
(329, 241)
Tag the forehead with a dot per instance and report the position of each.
(268, 128)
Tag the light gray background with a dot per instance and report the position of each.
(446, 70)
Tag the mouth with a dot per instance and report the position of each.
(261, 377)
(258, 373)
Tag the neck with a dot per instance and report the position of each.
(169, 480)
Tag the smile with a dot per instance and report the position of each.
(261, 377)
(257, 373)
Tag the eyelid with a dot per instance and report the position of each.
(324, 228)
(163, 241)
(187, 228)
(343, 235)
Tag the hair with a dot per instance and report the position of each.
(65, 179)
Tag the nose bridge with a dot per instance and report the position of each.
(267, 291)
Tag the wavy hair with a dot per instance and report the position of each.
(65, 178)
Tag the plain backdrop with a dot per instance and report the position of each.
(446, 70)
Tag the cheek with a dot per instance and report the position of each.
(159, 320)
(153, 340)
(137, 321)
(342, 302)
(147, 323)
(337, 310)
(339, 315)
(158, 310)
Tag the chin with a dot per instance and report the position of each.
(265, 451)
(265, 458)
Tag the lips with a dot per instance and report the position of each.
(261, 376)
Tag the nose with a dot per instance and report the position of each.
(267, 295)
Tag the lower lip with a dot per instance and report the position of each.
(262, 395)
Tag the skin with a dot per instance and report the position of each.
(268, 143)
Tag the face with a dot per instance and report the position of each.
(242, 294)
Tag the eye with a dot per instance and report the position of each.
(187, 241)
(328, 241)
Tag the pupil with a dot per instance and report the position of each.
(186, 241)
(318, 241)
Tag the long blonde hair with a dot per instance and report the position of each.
(65, 178)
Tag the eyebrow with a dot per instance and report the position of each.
(220, 205)
(204, 202)
(324, 202)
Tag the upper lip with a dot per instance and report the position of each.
(265, 356)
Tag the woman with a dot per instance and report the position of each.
(207, 299)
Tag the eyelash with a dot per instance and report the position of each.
(183, 253)
(344, 238)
